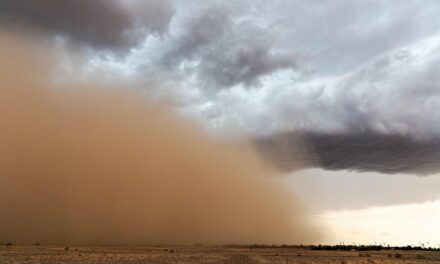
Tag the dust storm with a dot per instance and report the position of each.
(81, 163)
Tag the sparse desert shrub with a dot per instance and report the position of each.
(66, 248)
(397, 255)
(420, 256)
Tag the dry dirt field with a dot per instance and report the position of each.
(103, 255)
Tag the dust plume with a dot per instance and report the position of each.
(87, 164)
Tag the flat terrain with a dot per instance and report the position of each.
(103, 255)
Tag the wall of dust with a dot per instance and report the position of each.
(98, 165)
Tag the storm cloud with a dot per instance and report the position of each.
(367, 151)
(112, 24)
(223, 51)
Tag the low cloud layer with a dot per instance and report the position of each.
(367, 151)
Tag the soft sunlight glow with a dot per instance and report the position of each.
(411, 224)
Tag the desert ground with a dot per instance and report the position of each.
(203, 254)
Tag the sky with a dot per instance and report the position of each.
(352, 88)
(371, 207)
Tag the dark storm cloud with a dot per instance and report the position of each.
(109, 24)
(225, 52)
(362, 151)
(317, 66)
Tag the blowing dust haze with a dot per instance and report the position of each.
(86, 164)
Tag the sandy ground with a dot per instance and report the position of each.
(103, 255)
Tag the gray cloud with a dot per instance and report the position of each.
(381, 117)
(223, 51)
(395, 93)
(339, 36)
(313, 65)
(109, 24)
(367, 151)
